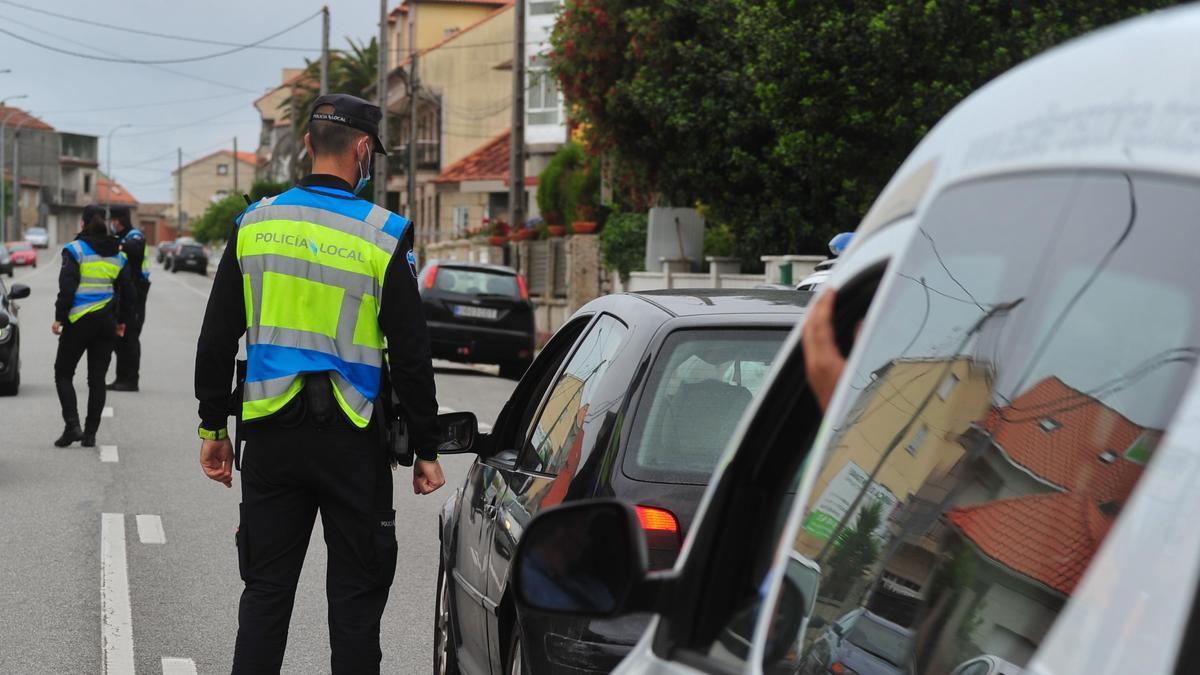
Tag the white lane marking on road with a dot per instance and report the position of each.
(178, 666)
(116, 618)
(107, 412)
(150, 530)
(108, 453)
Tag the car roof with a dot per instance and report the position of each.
(1087, 104)
(875, 618)
(704, 301)
(463, 264)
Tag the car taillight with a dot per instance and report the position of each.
(841, 669)
(661, 528)
(431, 276)
(523, 287)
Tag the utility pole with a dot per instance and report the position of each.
(179, 195)
(414, 90)
(325, 50)
(516, 148)
(382, 90)
(236, 160)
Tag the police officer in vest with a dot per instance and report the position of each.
(320, 282)
(129, 346)
(95, 301)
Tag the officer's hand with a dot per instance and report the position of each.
(216, 458)
(427, 477)
(56, 328)
(120, 330)
(823, 361)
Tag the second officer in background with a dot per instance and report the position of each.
(129, 346)
(320, 282)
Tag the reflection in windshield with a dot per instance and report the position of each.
(1028, 356)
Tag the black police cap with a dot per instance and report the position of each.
(351, 111)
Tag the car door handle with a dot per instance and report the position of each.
(490, 510)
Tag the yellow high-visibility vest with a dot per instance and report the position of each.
(97, 277)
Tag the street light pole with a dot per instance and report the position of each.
(3, 123)
(108, 170)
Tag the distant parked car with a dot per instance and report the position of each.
(987, 665)
(10, 338)
(38, 236)
(188, 256)
(23, 254)
(860, 642)
(164, 248)
(6, 266)
(478, 313)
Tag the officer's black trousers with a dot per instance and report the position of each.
(129, 347)
(288, 475)
(94, 334)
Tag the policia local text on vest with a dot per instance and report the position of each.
(95, 303)
(319, 282)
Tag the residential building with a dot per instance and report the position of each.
(545, 114)
(62, 164)
(29, 199)
(464, 63)
(212, 178)
(156, 220)
(279, 148)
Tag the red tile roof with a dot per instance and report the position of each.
(1068, 456)
(488, 162)
(16, 116)
(112, 192)
(1050, 538)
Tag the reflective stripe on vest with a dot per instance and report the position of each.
(97, 275)
(313, 265)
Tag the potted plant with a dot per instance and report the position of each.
(497, 232)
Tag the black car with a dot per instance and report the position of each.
(635, 398)
(10, 338)
(6, 263)
(164, 250)
(188, 256)
(478, 313)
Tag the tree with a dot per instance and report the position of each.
(856, 551)
(218, 220)
(266, 188)
(787, 118)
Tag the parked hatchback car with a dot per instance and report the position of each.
(22, 254)
(188, 256)
(1007, 464)
(6, 264)
(10, 338)
(860, 642)
(478, 313)
(634, 397)
(38, 236)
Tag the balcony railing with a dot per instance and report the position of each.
(428, 157)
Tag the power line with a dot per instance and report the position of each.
(136, 106)
(153, 62)
(167, 36)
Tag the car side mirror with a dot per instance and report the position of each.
(585, 559)
(458, 433)
(18, 291)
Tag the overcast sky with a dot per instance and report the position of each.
(198, 116)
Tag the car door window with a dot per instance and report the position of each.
(566, 407)
(1057, 314)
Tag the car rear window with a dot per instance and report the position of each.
(191, 249)
(476, 282)
(701, 383)
(879, 640)
(21, 247)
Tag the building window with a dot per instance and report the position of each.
(1049, 424)
(219, 195)
(543, 7)
(542, 100)
(87, 183)
(947, 386)
(449, 31)
(917, 440)
(222, 169)
(462, 219)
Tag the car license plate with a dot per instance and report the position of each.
(469, 312)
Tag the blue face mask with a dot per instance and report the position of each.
(364, 173)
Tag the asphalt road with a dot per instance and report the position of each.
(55, 564)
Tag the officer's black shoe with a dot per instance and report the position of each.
(122, 386)
(70, 434)
(88, 440)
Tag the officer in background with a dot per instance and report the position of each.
(94, 305)
(129, 346)
(320, 282)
